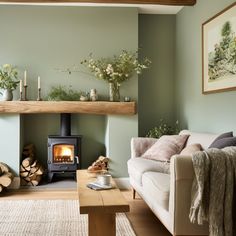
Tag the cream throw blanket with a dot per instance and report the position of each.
(213, 190)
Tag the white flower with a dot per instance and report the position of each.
(6, 66)
(98, 70)
(109, 69)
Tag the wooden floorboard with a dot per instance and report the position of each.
(29, 194)
(144, 222)
(140, 216)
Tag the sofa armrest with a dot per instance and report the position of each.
(139, 145)
(181, 178)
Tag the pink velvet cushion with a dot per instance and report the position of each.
(165, 147)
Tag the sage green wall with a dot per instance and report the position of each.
(40, 39)
(208, 113)
(118, 141)
(156, 85)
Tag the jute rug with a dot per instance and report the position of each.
(50, 218)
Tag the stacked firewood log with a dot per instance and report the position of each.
(31, 170)
(101, 164)
(6, 176)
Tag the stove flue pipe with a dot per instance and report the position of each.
(65, 124)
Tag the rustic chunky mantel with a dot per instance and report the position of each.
(99, 107)
(160, 2)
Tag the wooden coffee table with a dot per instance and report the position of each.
(101, 206)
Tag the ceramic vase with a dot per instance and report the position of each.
(114, 92)
(7, 95)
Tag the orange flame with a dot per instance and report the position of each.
(66, 151)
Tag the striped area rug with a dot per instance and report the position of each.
(50, 218)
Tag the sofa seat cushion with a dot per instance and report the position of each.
(138, 165)
(157, 186)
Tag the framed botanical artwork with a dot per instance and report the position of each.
(219, 52)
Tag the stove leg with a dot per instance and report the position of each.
(74, 176)
(50, 176)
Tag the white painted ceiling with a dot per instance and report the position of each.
(142, 8)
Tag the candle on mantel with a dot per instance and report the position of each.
(25, 75)
(21, 86)
(39, 85)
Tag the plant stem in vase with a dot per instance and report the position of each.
(114, 92)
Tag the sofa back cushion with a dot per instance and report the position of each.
(205, 139)
(224, 140)
(190, 149)
(165, 147)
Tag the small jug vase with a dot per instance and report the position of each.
(7, 95)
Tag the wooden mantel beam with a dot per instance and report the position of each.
(98, 107)
(158, 2)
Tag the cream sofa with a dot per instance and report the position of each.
(167, 195)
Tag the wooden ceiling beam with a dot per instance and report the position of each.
(158, 2)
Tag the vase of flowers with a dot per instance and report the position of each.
(116, 70)
(8, 81)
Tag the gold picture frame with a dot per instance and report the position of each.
(219, 52)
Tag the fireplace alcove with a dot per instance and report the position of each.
(110, 115)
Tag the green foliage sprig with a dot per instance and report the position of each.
(61, 93)
(118, 68)
(163, 129)
(8, 77)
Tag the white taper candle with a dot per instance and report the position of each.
(39, 85)
(25, 75)
(21, 86)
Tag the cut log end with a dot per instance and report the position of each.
(6, 179)
(32, 174)
(6, 176)
(27, 162)
(4, 167)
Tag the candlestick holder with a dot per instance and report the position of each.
(39, 95)
(25, 93)
(21, 97)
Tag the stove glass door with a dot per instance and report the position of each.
(63, 153)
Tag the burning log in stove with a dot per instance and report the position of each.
(31, 170)
(6, 176)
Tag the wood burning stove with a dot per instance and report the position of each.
(64, 151)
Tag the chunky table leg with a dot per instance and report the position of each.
(134, 193)
(102, 224)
